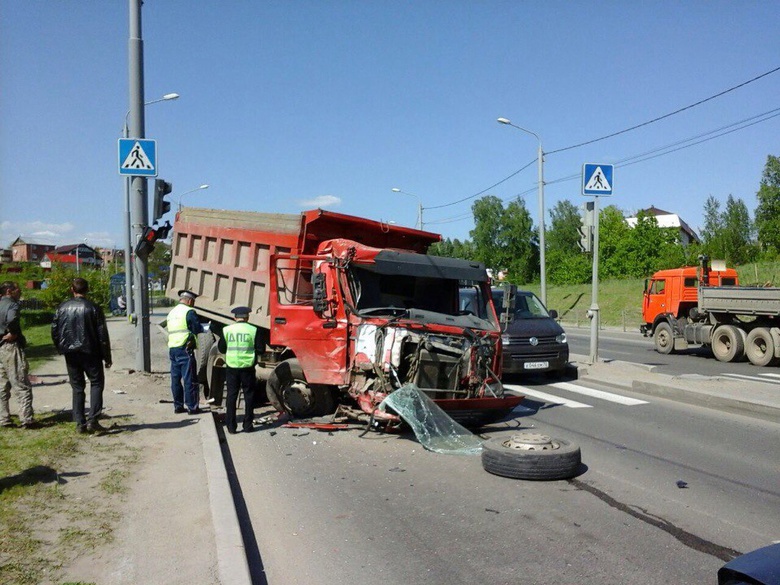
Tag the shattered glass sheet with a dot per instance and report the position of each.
(433, 427)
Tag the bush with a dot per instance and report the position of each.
(60, 279)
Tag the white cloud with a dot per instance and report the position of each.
(321, 201)
(50, 233)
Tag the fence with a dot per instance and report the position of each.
(627, 320)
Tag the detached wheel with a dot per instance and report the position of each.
(760, 347)
(216, 383)
(728, 343)
(288, 391)
(202, 353)
(663, 338)
(531, 456)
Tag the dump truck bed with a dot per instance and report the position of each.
(224, 255)
(740, 300)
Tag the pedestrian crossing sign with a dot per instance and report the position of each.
(597, 179)
(138, 157)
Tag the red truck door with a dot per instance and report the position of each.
(317, 337)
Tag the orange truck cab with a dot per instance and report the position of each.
(676, 292)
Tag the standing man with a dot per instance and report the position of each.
(183, 328)
(241, 344)
(14, 368)
(79, 332)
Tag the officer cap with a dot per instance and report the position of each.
(187, 294)
(241, 311)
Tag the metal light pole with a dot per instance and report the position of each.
(129, 280)
(419, 206)
(191, 191)
(540, 163)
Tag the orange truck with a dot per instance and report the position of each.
(701, 306)
(350, 310)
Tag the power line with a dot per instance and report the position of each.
(504, 180)
(712, 97)
(645, 156)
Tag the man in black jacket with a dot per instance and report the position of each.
(79, 332)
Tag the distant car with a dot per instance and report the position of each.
(533, 340)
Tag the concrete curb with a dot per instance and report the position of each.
(231, 552)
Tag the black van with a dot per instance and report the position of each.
(533, 340)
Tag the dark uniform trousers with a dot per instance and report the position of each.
(238, 379)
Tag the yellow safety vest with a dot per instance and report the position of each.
(240, 341)
(178, 334)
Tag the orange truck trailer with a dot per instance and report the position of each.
(350, 310)
(700, 306)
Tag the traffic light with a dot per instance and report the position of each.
(161, 206)
(149, 237)
(586, 229)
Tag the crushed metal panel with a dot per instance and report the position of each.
(433, 427)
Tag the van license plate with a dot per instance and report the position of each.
(536, 365)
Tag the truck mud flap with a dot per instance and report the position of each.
(477, 412)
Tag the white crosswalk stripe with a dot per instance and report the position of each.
(577, 389)
(599, 394)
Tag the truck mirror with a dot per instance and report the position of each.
(510, 291)
(319, 302)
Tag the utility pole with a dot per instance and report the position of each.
(138, 186)
(594, 315)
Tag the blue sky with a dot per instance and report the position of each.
(291, 105)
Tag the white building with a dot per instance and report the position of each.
(668, 220)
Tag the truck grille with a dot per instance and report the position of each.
(437, 371)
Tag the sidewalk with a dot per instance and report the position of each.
(163, 527)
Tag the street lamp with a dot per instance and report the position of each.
(419, 206)
(128, 224)
(191, 191)
(540, 156)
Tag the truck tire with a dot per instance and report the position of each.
(760, 347)
(531, 456)
(288, 391)
(663, 338)
(202, 352)
(728, 343)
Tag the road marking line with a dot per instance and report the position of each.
(547, 397)
(754, 378)
(625, 400)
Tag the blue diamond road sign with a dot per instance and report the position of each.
(137, 157)
(597, 179)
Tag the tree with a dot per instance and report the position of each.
(487, 229)
(712, 234)
(453, 249)
(565, 263)
(613, 229)
(738, 232)
(519, 249)
(767, 219)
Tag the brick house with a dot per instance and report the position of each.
(29, 251)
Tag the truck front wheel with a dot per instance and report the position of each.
(288, 391)
(664, 339)
(728, 343)
(760, 347)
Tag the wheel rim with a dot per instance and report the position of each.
(663, 339)
(297, 396)
(531, 442)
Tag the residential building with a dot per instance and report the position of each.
(667, 219)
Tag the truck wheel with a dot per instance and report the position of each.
(202, 353)
(760, 347)
(728, 343)
(664, 339)
(288, 391)
(531, 456)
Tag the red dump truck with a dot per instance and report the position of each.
(701, 306)
(350, 310)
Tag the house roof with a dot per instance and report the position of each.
(29, 242)
(61, 258)
(665, 219)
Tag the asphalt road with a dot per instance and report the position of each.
(633, 347)
(324, 507)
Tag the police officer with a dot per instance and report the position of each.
(241, 344)
(183, 327)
